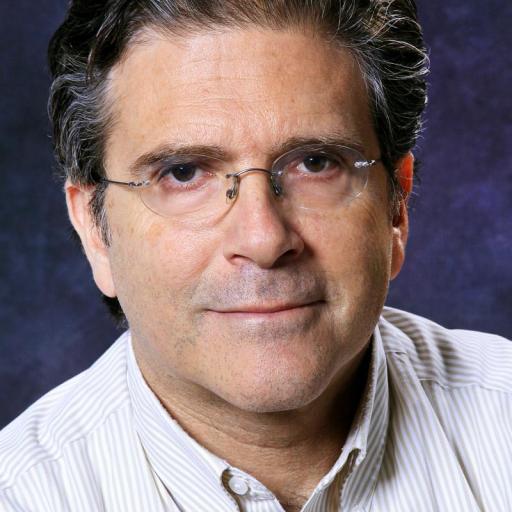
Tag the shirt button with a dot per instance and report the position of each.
(238, 485)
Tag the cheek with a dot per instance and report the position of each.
(354, 247)
(157, 266)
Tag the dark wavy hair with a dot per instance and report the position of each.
(383, 35)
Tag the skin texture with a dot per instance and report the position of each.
(272, 392)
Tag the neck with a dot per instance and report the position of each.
(289, 451)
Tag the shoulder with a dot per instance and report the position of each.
(67, 414)
(451, 358)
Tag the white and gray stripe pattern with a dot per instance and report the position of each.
(433, 433)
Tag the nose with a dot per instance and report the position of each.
(257, 229)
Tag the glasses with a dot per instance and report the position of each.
(201, 188)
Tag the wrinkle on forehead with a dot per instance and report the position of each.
(209, 57)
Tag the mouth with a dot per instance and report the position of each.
(269, 311)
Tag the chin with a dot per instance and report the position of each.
(276, 392)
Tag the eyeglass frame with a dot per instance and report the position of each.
(232, 193)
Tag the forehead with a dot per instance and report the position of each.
(247, 89)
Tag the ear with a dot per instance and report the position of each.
(404, 174)
(77, 200)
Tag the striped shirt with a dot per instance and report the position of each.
(433, 433)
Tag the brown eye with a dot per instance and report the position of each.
(182, 172)
(316, 163)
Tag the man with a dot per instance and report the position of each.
(238, 174)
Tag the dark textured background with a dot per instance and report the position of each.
(458, 271)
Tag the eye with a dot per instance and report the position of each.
(315, 163)
(182, 173)
(318, 163)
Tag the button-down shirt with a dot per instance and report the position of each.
(433, 433)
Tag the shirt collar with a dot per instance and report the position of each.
(176, 458)
(369, 437)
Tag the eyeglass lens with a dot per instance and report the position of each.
(202, 188)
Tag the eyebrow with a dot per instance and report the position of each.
(169, 150)
(332, 139)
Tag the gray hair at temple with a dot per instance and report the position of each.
(383, 35)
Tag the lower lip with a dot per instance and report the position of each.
(282, 314)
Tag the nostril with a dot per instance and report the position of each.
(288, 256)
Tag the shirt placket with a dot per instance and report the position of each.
(250, 495)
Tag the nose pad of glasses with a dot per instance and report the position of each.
(277, 188)
(232, 192)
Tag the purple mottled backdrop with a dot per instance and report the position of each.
(458, 271)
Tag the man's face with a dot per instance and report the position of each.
(264, 309)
